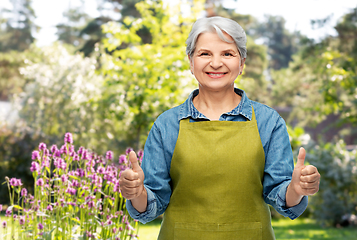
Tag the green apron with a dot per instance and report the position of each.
(217, 193)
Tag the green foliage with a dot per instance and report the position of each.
(143, 80)
(17, 142)
(253, 81)
(59, 95)
(297, 137)
(92, 33)
(11, 81)
(281, 43)
(70, 32)
(338, 190)
(17, 34)
(322, 79)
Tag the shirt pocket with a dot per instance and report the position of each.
(214, 231)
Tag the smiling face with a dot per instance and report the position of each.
(215, 63)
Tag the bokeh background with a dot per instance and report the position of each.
(105, 69)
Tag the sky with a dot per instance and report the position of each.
(296, 13)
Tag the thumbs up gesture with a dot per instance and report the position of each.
(305, 179)
(131, 181)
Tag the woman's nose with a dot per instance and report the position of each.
(216, 62)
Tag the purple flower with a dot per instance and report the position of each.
(19, 183)
(101, 170)
(22, 220)
(35, 167)
(7, 213)
(80, 150)
(46, 162)
(75, 157)
(140, 153)
(24, 192)
(68, 138)
(49, 208)
(109, 155)
(75, 183)
(35, 155)
(64, 149)
(90, 204)
(40, 226)
(15, 182)
(71, 150)
(4, 224)
(80, 172)
(99, 182)
(64, 178)
(46, 152)
(122, 159)
(54, 148)
(40, 182)
(71, 191)
(42, 146)
(57, 153)
(128, 150)
(85, 155)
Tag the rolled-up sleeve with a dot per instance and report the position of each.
(279, 167)
(157, 179)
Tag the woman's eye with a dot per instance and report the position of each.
(204, 54)
(228, 54)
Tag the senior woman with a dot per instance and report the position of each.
(214, 163)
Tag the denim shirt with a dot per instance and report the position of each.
(160, 146)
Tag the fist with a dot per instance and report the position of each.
(305, 179)
(131, 181)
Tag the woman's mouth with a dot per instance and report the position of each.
(216, 74)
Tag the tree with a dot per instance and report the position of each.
(281, 43)
(93, 29)
(19, 27)
(145, 79)
(70, 32)
(322, 80)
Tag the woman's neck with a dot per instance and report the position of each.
(214, 104)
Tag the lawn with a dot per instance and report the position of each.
(299, 229)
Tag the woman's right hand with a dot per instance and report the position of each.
(131, 181)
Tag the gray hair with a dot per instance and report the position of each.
(218, 25)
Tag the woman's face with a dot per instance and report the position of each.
(215, 63)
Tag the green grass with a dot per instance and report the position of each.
(304, 229)
(299, 229)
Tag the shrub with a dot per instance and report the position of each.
(76, 196)
(337, 196)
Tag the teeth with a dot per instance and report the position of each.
(216, 74)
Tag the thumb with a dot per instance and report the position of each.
(301, 157)
(134, 161)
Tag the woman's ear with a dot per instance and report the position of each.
(242, 63)
(191, 63)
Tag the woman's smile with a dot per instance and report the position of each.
(216, 74)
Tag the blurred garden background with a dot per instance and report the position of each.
(107, 78)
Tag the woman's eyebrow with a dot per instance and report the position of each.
(203, 49)
(229, 50)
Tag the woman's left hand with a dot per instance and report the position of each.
(305, 179)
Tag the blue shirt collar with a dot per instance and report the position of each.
(244, 108)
